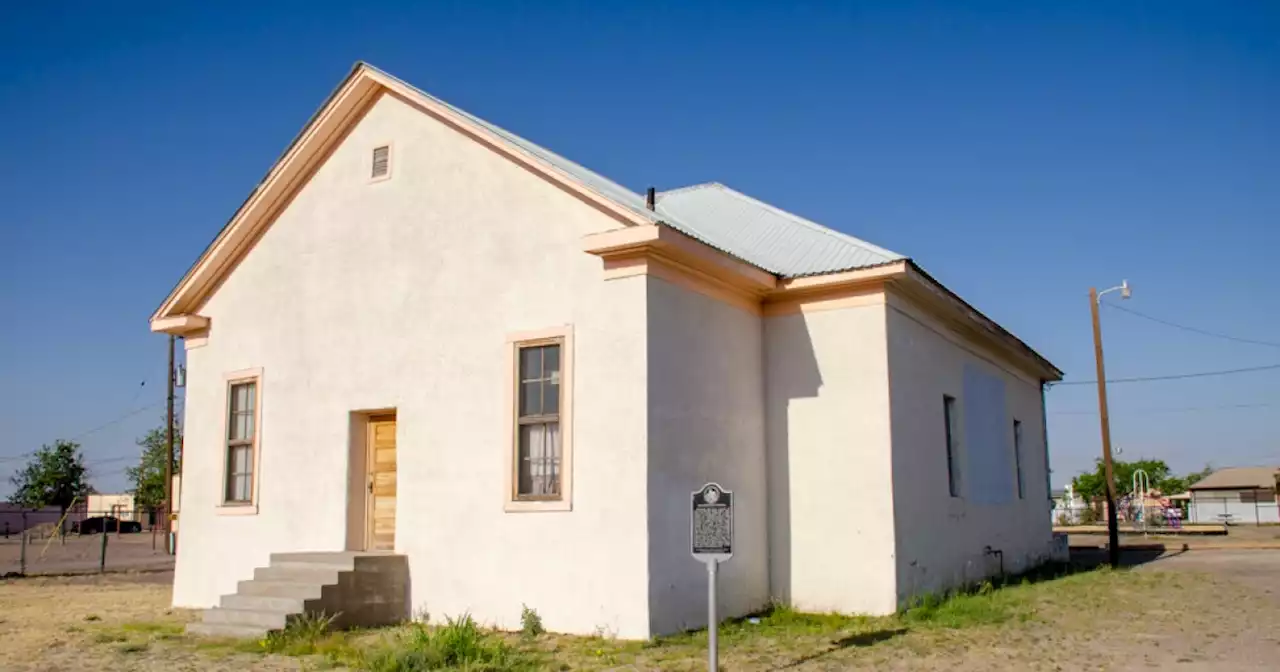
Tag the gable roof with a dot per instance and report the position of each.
(782, 244)
(750, 230)
(753, 231)
(1238, 478)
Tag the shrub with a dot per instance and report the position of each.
(530, 623)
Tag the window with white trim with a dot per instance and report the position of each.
(242, 441)
(539, 399)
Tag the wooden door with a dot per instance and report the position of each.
(380, 531)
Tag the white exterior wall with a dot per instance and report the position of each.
(941, 539)
(831, 520)
(1241, 507)
(706, 423)
(399, 294)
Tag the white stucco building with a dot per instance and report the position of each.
(423, 335)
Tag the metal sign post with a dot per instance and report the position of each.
(711, 541)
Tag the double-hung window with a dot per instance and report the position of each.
(242, 441)
(539, 442)
(539, 446)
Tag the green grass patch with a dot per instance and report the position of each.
(222, 648)
(460, 644)
(109, 637)
(777, 637)
(159, 628)
(133, 647)
(307, 635)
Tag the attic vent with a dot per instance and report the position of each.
(381, 161)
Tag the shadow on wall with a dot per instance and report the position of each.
(790, 373)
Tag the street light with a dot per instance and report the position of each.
(1113, 527)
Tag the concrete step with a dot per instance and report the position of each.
(290, 605)
(298, 573)
(271, 620)
(340, 560)
(225, 630)
(305, 591)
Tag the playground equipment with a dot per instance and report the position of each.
(1141, 489)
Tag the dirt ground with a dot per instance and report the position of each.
(1193, 611)
(109, 622)
(81, 554)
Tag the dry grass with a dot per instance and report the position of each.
(1092, 620)
(112, 622)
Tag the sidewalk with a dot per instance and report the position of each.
(1171, 543)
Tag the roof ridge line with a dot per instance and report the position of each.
(815, 226)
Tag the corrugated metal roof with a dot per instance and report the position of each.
(768, 237)
(753, 231)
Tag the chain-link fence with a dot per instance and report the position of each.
(43, 542)
(1234, 510)
(1130, 514)
(1199, 510)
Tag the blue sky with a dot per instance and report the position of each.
(1021, 152)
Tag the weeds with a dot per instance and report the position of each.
(303, 635)
(459, 644)
(530, 623)
(109, 638)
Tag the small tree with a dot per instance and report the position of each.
(55, 476)
(148, 477)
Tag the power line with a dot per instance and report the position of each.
(1203, 332)
(110, 459)
(122, 418)
(1171, 409)
(118, 420)
(1180, 376)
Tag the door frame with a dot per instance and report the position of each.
(360, 473)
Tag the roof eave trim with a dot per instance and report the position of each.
(180, 325)
(1013, 345)
(662, 240)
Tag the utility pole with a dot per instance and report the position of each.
(168, 460)
(1113, 528)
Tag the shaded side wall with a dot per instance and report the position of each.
(941, 539)
(706, 423)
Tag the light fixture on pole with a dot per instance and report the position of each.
(1113, 526)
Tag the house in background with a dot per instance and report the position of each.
(1236, 495)
(119, 506)
(1068, 508)
(507, 374)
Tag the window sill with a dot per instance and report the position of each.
(237, 510)
(524, 506)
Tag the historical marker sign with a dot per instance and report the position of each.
(711, 523)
